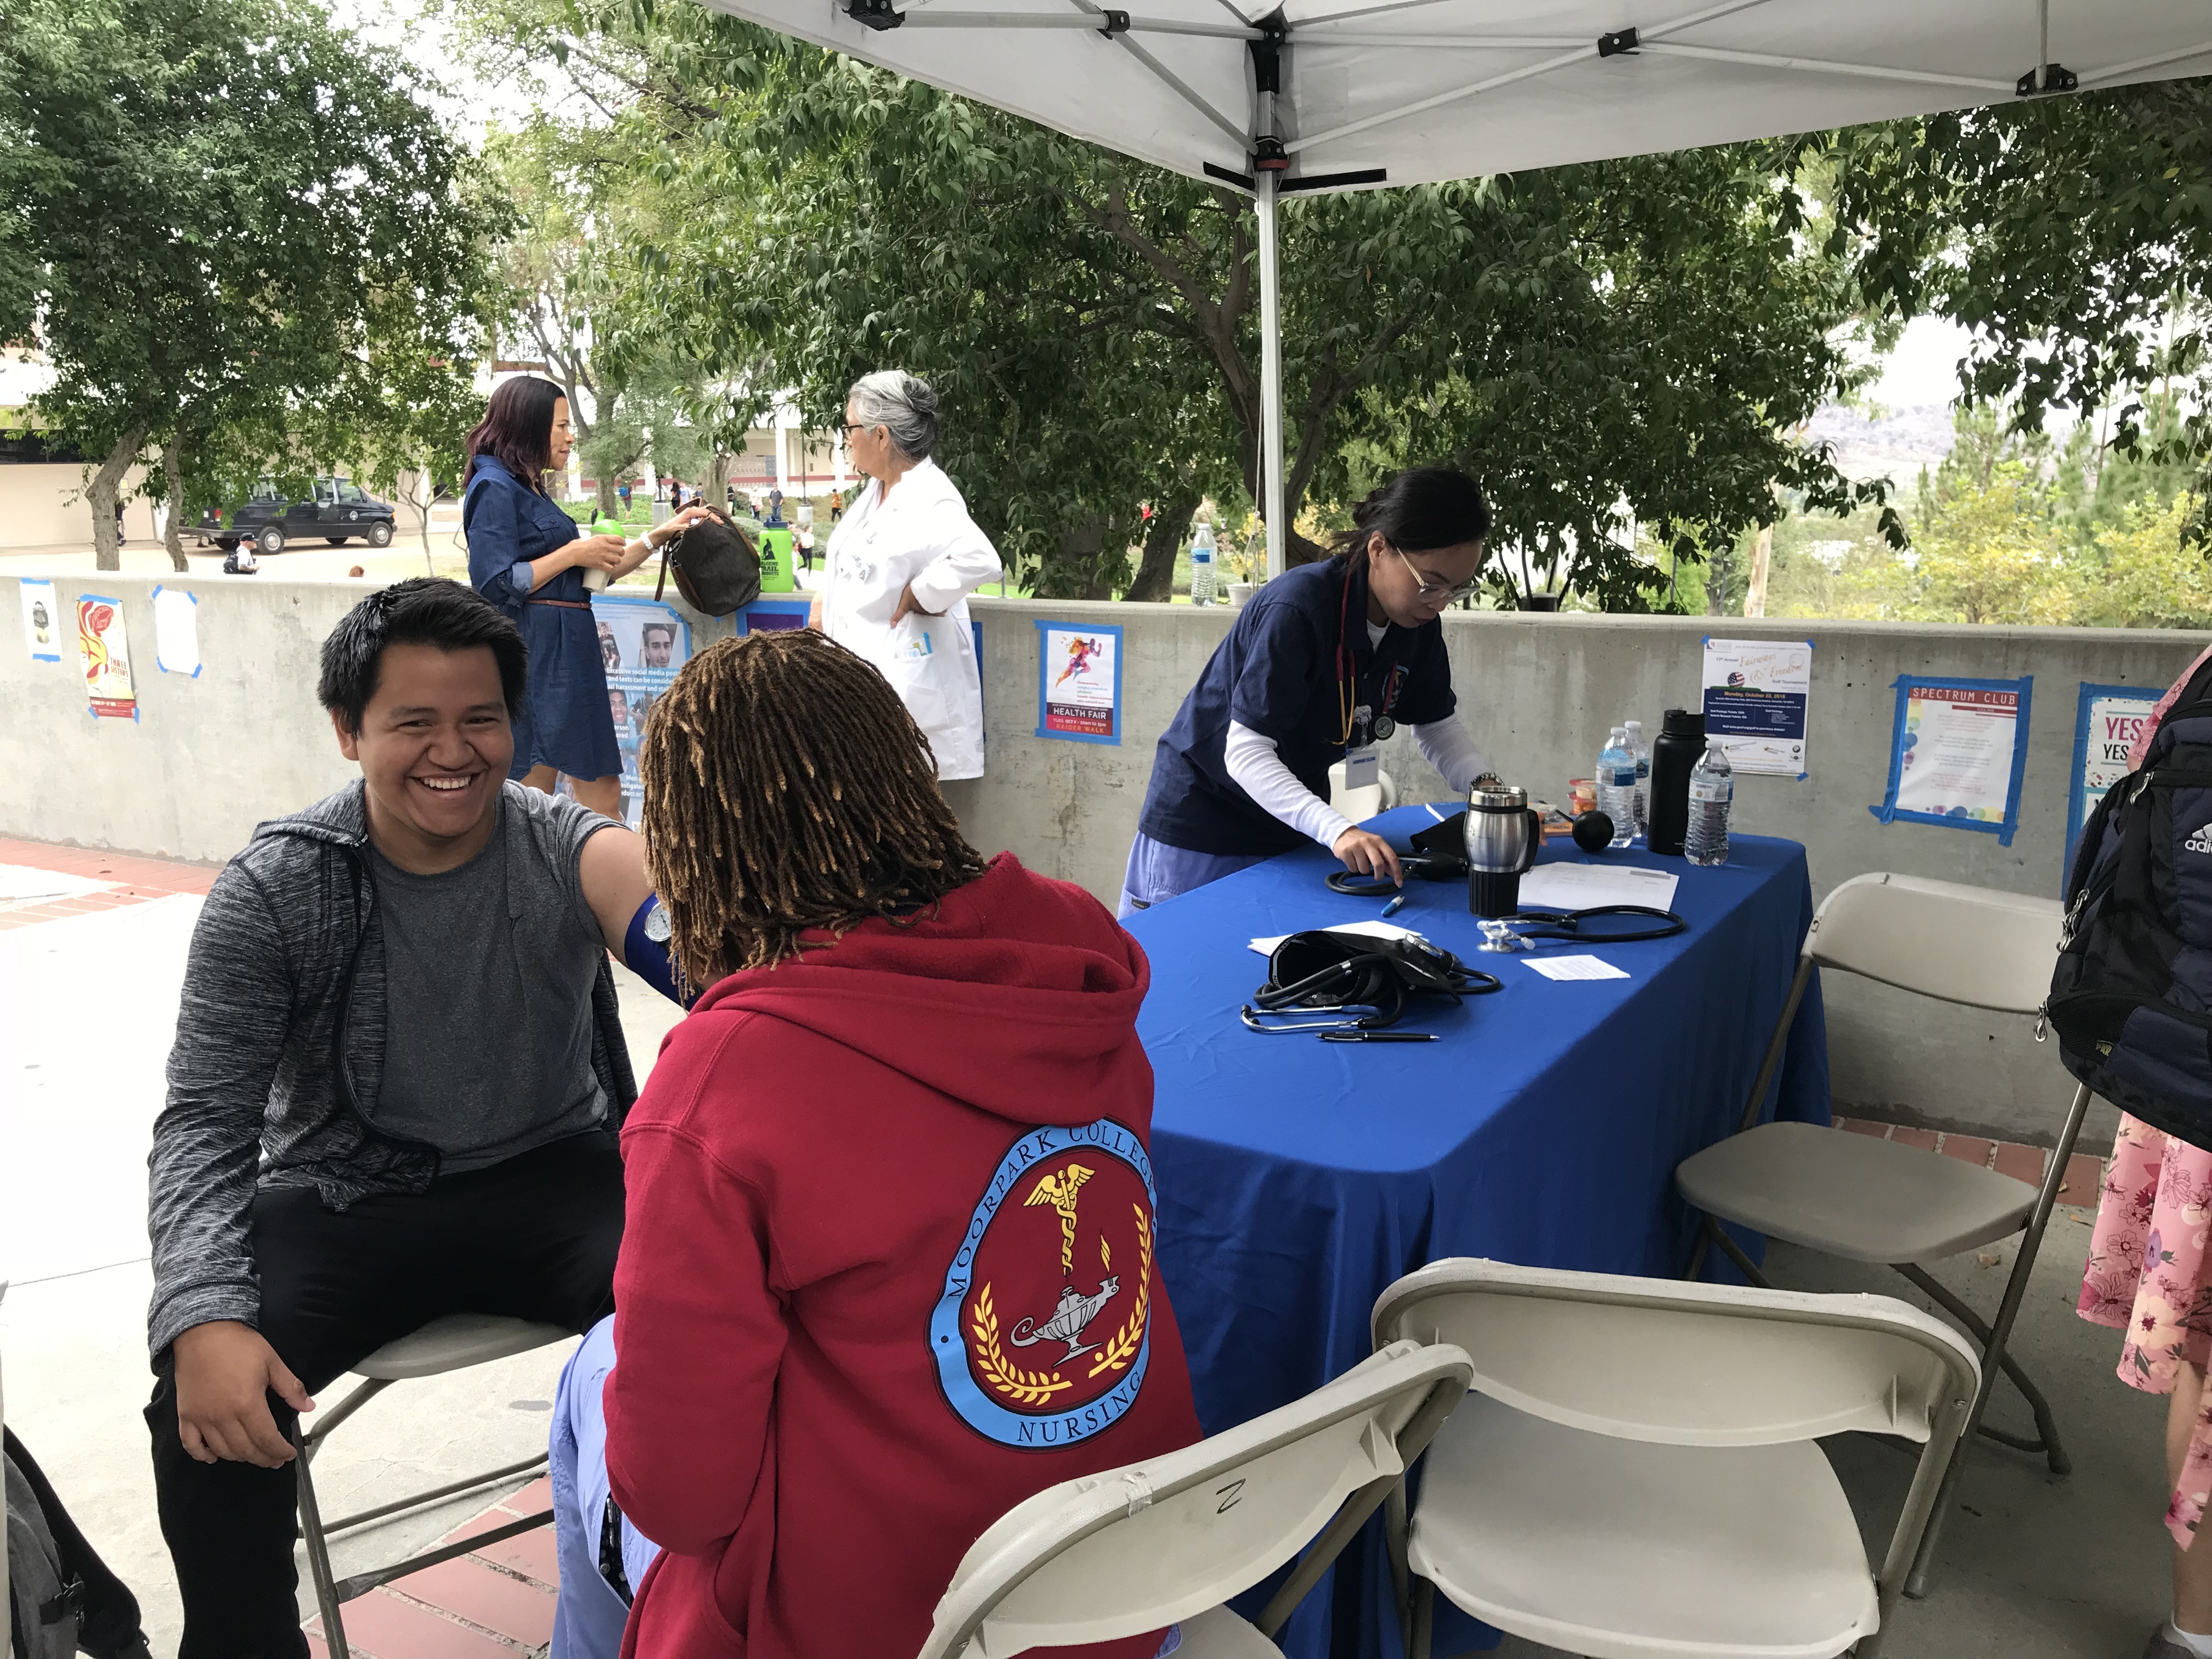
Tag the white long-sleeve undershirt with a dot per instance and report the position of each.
(1259, 771)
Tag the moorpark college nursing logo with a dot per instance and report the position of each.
(1044, 1330)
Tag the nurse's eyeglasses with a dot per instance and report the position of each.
(1429, 588)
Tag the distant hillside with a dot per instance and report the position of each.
(1899, 444)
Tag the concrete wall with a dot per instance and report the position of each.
(212, 756)
(209, 757)
(43, 505)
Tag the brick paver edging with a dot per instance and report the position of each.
(2084, 1171)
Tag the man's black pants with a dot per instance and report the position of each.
(533, 1237)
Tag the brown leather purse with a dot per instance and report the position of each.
(717, 569)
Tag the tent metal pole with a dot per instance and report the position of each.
(1820, 66)
(1271, 377)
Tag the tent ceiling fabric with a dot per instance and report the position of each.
(1421, 90)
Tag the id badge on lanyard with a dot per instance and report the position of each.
(1361, 767)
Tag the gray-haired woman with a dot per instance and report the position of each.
(902, 563)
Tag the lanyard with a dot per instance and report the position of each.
(1348, 673)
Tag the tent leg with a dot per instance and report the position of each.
(1271, 380)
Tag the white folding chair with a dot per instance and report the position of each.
(1635, 1475)
(1878, 1200)
(1169, 1540)
(450, 1344)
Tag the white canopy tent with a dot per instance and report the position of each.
(1272, 97)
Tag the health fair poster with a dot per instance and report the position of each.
(1755, 695)
(1079, 681)
(642, 643)
(1958, 753)
(2108, 719)
(103, 648)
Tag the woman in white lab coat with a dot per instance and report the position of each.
(902, 562)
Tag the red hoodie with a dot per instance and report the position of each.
(889, 1270)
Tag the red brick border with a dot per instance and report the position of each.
(123, 880)
(2084, 1171)
(493, 1603)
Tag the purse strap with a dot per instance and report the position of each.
(667, 548)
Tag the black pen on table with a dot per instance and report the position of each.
(1378, 1036)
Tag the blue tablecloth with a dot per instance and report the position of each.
(1298, 1178)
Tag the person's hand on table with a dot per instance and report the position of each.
(225, 1371)
(908, 606)
(1365, 854)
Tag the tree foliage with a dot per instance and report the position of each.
(1633, 340)
(2073, 235)
(221, 219)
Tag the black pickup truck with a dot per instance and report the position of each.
(335, 510)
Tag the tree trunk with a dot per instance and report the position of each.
(718, 480)
(425, 494)
(101, 492)
(1762, 558)
(173, 533)
(1155, 581)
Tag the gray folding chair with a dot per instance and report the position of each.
(1877, 1201)
(1169, 1540)
(1636, 1473)
(450, 1344)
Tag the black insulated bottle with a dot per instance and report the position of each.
(1681, 740)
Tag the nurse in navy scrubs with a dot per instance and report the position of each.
(1323, 663)
(529, 558)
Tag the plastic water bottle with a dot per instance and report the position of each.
(1642, 751)
(1202, 590)
(1616, 786)
(1712, 788)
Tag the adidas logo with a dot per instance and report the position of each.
(2201, 841)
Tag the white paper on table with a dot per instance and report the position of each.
(1574, 968)
(176, 631)
(1585, 886)
(1375, 929)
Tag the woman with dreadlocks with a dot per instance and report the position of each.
(889, 1259)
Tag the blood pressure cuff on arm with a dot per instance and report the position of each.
(645, 953)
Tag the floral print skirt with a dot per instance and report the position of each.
(2150, 1277)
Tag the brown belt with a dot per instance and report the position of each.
(566, 605)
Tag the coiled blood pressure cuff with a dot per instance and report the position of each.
(646, 953)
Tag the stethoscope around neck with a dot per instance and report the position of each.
(1380, 728)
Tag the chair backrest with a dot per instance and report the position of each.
(1660, 1359)
(1136, 1548)
(1941, 939)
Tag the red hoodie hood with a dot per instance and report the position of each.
(1026, 970)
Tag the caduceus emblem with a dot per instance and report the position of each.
(1075, 1310)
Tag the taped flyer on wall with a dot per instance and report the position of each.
(1079, 681)
(1958, 754)
(1755, 697)
(2108, 720)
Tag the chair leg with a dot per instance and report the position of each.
(319, 1557)
(1996, 1357)
(1733, 1251)
(1697, 1251)
(1424, 1616)
(1916, 1583)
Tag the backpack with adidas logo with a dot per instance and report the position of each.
(2131, 999)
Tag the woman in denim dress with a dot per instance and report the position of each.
(531, 559)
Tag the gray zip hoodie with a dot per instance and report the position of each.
(279, 1054)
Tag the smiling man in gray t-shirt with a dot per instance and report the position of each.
(397, 1072)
